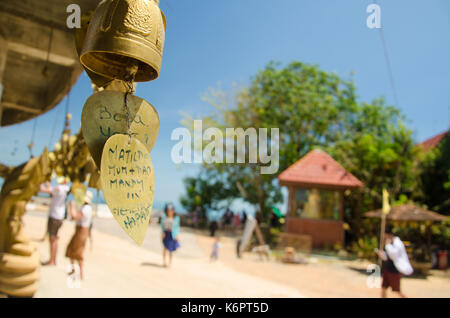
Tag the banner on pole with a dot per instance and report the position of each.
(386, 206)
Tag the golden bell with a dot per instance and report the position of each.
(80, 36)
(122, 34)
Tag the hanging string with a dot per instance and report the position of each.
(168, 4)
(127, 114)
(33, 134)
(13, 153)
(65, 119)
(132, 70)
(45, 73)
(45, 69)
(388, 64)
(54, 127)
(67, 114)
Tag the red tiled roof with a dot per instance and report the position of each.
(433, 141)
(317, 168)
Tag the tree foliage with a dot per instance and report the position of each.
(313, 108)
(435, 177)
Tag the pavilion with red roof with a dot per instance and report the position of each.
(316, 185)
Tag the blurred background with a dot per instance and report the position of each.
(359, 110)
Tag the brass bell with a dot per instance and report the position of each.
(80, 36)
(122, 34)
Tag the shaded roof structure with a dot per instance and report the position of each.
(433, 141)
(319, 169)
(408, 212)
(38, 60)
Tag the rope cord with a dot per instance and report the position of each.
(66, 119)
(388, 64)
(132, 70)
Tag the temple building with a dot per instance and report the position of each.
(316, 185)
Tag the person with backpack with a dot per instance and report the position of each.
(396, 263)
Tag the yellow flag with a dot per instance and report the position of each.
(386, 205)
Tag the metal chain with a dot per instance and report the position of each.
(132, 70)
(127, 112)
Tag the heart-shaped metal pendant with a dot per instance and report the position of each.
(104, 115)
(128, 184)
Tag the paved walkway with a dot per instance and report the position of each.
(325, 277)
(117, 267)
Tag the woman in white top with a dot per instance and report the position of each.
(83, 218)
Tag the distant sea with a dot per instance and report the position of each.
(237, 206)
(99, 199)
(157, 205)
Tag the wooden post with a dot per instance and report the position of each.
(341, 205)
(386, 208)
(259, 235)
(290, 207)
(291, 201)
(382, 230)
(429, 234)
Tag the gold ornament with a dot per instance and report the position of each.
(124, 42)
(104, 115)
(19, 257)
(123, 33)
(128, 184)
(80, 36)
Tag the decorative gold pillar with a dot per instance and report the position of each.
(19, 257)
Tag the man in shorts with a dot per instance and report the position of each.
(56, 214)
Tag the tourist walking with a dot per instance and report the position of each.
(396, 263)
(170, 226)
(77, 245)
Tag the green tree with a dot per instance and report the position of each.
(379, 150)
(307, 105)
(435, 177)
(206, 191)
(313, 108)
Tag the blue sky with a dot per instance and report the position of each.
(227, 41)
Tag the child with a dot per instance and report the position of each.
(215, 251)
